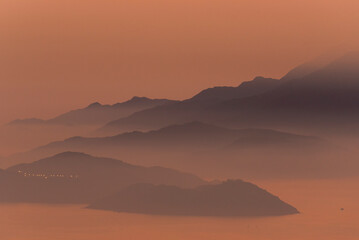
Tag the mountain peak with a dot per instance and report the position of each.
(71, 154)
(72, 158)
(258, 83)
(67, 156)
(259, 78)
(137, 99)
(144, 101)
(95, 104)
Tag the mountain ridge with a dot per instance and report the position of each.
(315, 101)
(189, 109)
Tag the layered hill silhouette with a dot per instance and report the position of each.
(97, 114)
(72, 177)
(192, 136)
(307, 98)
(208, 150)
(230, 198)
(190, 109)
(22, 135)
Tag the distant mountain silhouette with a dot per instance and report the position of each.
(231, 198)
(206, 149)
(190, 109)
(320, 99)
(184, 138)
(72, 177)
(96, 113)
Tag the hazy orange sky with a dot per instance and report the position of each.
(63, 54)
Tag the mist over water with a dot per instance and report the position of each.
(319, 202)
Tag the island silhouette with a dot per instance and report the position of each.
(231, 198)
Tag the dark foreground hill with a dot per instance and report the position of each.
(231, 198)
(80, 178)
(327, 99)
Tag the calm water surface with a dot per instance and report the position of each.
(319, 202)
